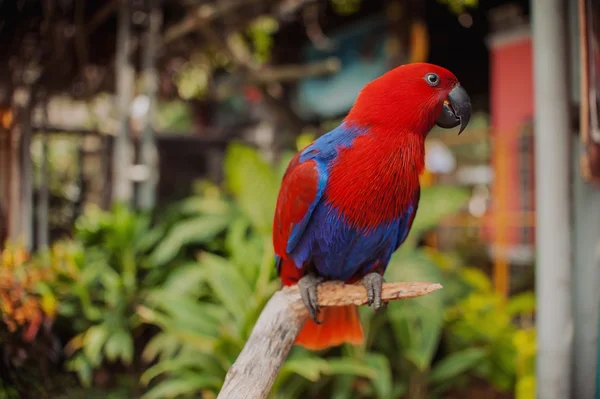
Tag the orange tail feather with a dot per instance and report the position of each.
(339, 325)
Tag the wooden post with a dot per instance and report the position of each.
(27, 176)
(254, 372)
(20, 212)
(42, 228)
(125, 75)
(14, 186)
(148, 151)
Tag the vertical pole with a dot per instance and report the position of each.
(26, 177)
(14, 180)
(148, 151)
(501, 184)
(43, 197)
(42, 227)
(552, 168)
(586, 221)
(586, 280)
(125, 74)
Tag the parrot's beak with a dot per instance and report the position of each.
(456, 110)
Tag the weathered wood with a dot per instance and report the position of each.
(122, 190)
(254, 372)
(148, 150)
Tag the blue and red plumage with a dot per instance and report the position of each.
(348, 200)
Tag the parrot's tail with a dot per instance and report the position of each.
(339, 325)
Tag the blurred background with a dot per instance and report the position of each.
(142, 144)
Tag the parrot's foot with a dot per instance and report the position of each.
(308, 290)
(373, 283)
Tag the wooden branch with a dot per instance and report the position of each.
(200, 16)
(286, 73)
(254, 372)
(107, 10)
(281, 74)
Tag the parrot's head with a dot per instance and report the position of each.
(413, 97)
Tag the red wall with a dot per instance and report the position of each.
(511, 105)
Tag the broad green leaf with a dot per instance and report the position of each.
(382, 382)
(186, 361)
(185, 279)
(186, 313)
(93, 342)
(81, 365)
(150, 239)
(455, 364)
(119, 345)
(417, 322)
(310, 368)
(206, 204)
(476, 278)
(525, 388)
(228, 284)
(343, 387)
(184, 385)
(199, 342)
(254, 184)
(354, 367)
(245, 248)
(192, 231)
(521, 304)
(162, 345)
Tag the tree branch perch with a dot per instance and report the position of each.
(256, 368)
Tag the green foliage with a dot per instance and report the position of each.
(486, 320)
(173, 116)
(459, 6)
(195, 280)
(346, 7)
(524, 341)
(207, 346)
(194, 353)
(261, 34)
(193, 77)
(111, 281)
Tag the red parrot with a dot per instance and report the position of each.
(347, 201)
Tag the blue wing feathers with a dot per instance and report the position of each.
(322, 151)
(336, 249)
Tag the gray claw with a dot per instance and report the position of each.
(373, 283)
(308, 291)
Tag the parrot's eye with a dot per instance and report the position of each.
(432, 79)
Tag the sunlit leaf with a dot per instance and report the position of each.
(254, 184)
(119, 345)
(354, 367)
(186, 279)
(186, 313)
(521, 304)
(310, 368)
(163, 345)
(228, 284)
(417, 322)
(197, 230)
(184, 361)
(185, 385)
(525, 388)
(94, 341)
(382, 381)
(455, 364)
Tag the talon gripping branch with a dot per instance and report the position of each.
(348, 200)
